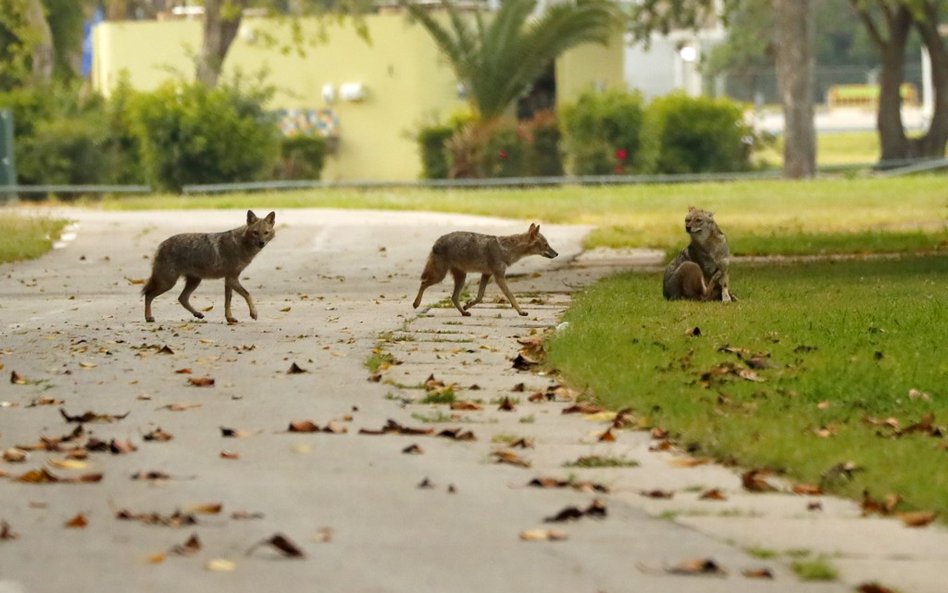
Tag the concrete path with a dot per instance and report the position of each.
(390, 512)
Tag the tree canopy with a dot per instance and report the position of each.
(498, 58)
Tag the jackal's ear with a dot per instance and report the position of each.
(251, 217)
(271, 218)
(691, 208)
(534, 229)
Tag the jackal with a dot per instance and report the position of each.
(199, 256)
(700, 272)
(461, 252)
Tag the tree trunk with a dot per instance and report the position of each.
(221, 22)
(895, 145)
(43, 55)
(794, 57)
(933, 143)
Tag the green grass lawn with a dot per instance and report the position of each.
(760, 217)
(845, 344)
(23, 237)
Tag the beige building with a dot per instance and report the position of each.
(372, 95)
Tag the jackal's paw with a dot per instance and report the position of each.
(523, 313)
(150, 319)
(231, 321)
(465, 314)
(199, 315)
(253, 315)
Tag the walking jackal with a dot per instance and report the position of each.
(700, 272)
(461, 252)
(199, 256)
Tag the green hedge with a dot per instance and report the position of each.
(684, 134)
(602, 132)
(301, 157)
(191, 134)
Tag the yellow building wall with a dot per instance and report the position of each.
(407, 83)
(590, 67)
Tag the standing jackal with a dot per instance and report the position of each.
(198, 256)
(461, 252)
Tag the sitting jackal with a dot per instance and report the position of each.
(700, 272)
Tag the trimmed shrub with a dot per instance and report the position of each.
(683, 134)
(543, 136)
(64, 135)
(601, 132)
(505, 151)
(191, 134)
(301, 157)
(434, 157)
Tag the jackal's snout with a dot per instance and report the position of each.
(549, 252)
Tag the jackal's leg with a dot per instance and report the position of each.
(459, 277)
(155, 286)
(502, 283)
(432, 274)
(485, 278)
(232, 283)
(190, 285)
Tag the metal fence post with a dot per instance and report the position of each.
(7, 160)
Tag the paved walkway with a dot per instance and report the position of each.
(390, 512)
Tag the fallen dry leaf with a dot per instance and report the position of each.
(15, 455)
(184, 371)
(917, 518)
(506, 405)
(151, 476)
(210, 508)
(523, 363)
(282, 544)
(465, 405)
(220, 565)
(158, 435)
(426, 484)
(510, 458)
(189, 548)
(303, 426)
(44, 476)
(17, 379)
(156, 558)
(657, 493)
(176, 519)
(697, 566)
(457, 434)
(68, 463)
(245, 515)
(77, 522)
(583, 409)
(582, 486)
(233, 433)
(392, 426)
(413, 449)
(180, 407)
(807, 489)
(874, 588)
(201, 381)
(758, 573)
(296, 369)
(607, 437)
(6, 532)
(229, 455)
(755, 481)
(543, 535)
(92, 417)
(523, 443)
(596, 510)
(712, 494)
